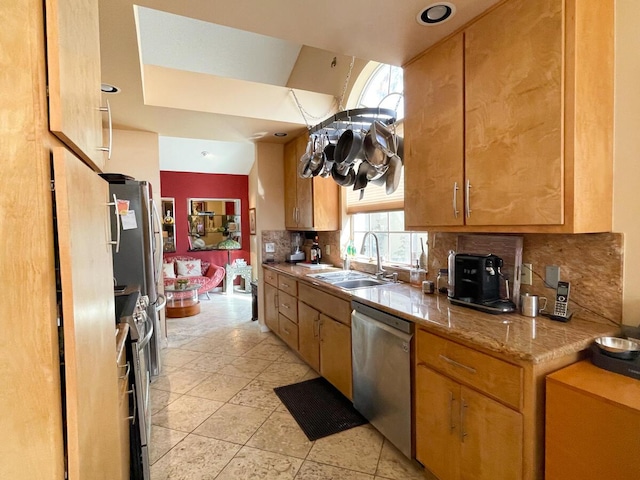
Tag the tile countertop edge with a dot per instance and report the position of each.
(511, 336)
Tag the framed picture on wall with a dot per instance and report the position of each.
(252, 221)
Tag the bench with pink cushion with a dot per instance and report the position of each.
(210, 275)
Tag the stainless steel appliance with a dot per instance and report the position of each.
(141, 330)
(479, 283)
(296, 255)
(137, 258)
(381, 357)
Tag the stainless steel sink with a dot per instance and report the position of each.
(359, 283)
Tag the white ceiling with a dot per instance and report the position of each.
(214, 75)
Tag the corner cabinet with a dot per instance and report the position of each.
(509, 123)
(310, 203)
(73, 67)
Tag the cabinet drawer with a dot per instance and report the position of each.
(288, 331)
(494, 377)
(288, 306)
(270, 277)
(326, 303)
(288, 285)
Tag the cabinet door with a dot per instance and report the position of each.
(309, 335)
(290, 185)
(437, 423)
(492, 439)
(86, 273)
(434, 148)
(335, 354)
(513, 115)
(73, 63)
(326, 204)
(304, 190)
(271, 307)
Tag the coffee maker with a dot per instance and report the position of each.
(477, 283)
(296, 255)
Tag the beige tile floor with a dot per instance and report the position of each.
(215, 415)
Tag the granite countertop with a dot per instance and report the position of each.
(535, 340)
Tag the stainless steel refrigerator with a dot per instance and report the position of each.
(137, 258)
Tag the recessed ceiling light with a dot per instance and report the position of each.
(108, 88)
(207, 154)
(280, 134)
(436, 13)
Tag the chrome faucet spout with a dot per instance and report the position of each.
(380, 271)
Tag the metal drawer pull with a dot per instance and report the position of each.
(457, 364)
(452, 423)
(455, 200)
(286, 306)
(285, 285)
(132, 392)
(463, 409)
(126, 373)
(116, 242)
(286, 331)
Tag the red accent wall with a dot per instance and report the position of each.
(184, 185)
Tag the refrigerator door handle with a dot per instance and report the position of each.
(157, 257)
(163, 301)
(116, 242)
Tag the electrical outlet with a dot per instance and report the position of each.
(327, 250)
(270, 247)
(552, 276)
(526, 274)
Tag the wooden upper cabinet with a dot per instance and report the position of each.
(513, 115)
(73, 63)
(516, 111)
(434, 137)
(310, 203)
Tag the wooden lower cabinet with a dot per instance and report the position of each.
(309, 335)
(592, 424)
(271, 307)
(335, 354)
(463, 434)
(288, 331)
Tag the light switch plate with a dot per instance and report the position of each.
(269, 247)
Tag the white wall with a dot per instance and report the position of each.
(626, 201)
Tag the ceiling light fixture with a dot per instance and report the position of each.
(108, 88)
(436, 13)
(280, 134)
(207, 154)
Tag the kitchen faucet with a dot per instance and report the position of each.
(380, 271)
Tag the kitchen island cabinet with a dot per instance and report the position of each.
(310, 203)
(517, 132)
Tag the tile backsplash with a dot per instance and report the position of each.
(592, 263)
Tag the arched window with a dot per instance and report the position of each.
(383, 88)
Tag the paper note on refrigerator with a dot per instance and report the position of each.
(129, 220)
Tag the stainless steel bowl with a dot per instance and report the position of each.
(618, 347)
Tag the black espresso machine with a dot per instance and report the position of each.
(478, 283)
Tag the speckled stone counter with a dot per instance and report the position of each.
(535, 340)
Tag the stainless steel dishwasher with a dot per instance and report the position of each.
(381, 356)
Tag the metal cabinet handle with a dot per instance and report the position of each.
(455, 199)
(132, 392)
(126, 373)
(286, 306)
(452, 423)
(116, 242)
(457, 364)
(468, 199)
(275, 300)
(316, 324)
(285, 285)
(286, 331)
(108, 148)
(463, 409)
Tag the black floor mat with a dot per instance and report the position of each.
(319, 408)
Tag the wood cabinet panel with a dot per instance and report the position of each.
(73, 63)
(271, 307)
(335, 354)
(288, 331)
(288, 285)
(492, 436)
(437, 423)
(592, 424)
(326, 303)
(434, 138)
(288, 306)
(309, 335)
(290, 185)
(495, 377)
(87, 316)
(513, 115)
(270, 277)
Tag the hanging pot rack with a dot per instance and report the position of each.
(357, 118)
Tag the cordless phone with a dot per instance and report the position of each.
(560, 310)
